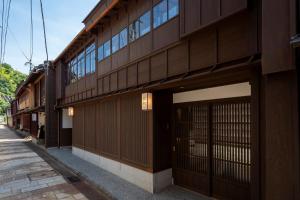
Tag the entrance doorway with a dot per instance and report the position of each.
(212, 147)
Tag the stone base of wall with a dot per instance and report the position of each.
(152, 182)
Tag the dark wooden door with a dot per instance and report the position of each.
(212, 146)
(34, 127)
(191, 131)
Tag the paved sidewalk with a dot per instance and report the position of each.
(25, 175)
(115, 186)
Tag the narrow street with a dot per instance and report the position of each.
(27, 174)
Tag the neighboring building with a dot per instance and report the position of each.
(30, 102)
(201, 94)
(9, 120)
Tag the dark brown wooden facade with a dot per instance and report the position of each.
(33, 107)
(208, 43)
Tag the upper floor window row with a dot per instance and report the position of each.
(90, 56)
(104, 50)
(83, 64)
(162, 12)
(140, 27)
(120, 40)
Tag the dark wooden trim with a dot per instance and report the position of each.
(255, 135)
(241, 71)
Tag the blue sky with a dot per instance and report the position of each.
(63, 21)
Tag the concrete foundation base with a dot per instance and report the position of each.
(152, 182)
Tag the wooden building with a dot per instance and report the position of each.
(9, 120)
(29, 105)
(198, 93)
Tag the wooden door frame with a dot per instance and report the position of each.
(254, 78)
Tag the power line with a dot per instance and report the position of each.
(2, 25)
(44, 28)
(31, 33)
(18, 44)
(5, 34)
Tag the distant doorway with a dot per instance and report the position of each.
(66, 126)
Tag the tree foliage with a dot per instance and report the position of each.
(9, 80)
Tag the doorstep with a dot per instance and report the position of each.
(115, 186)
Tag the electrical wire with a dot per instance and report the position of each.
(44, 28)
(5, 31)
(31, 34)
(18, 44)
(2, 26)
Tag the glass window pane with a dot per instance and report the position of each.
(93, 61)
(173, 8)
(79, 69)
(145, 23)
(123, 38)
(90, 48)
(81, 65)
(115, 43)
(134, 31)
(88, 64)
(100, 53)
(106, 49)
(74, 70)
(131, 33)
(160, 13)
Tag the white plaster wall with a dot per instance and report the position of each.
(67, 121)
(146, 180)
(222, 92)
(42, 119)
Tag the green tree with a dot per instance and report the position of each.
(9, 80)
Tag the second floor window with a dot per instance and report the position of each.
(145, 26)
(160, 13)
(73, 70)
(134, 31)
(123, 38)
(115, 44)
(164, 11)
(100, 53)
(140, 27)
(173, 8)
(106, 49)
(81, 65)
(90, 59)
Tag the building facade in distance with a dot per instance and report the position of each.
(201, 94)
(29, 112)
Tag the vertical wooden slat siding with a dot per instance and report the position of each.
(107, 131)
(134, 131)
(89, 126)
(96, 129)
(78, 126)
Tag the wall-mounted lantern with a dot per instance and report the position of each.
(71, 111)
(147, 101)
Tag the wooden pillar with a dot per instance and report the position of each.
(281, 137)
(51, 127)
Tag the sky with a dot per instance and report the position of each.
(63, 20)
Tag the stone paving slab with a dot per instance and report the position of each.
(25, 175)
(115, 186)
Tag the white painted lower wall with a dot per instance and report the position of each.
(152, 182)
